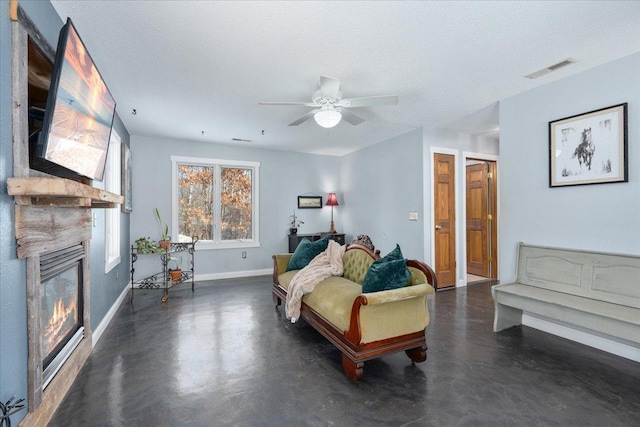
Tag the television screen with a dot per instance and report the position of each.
(79, 114)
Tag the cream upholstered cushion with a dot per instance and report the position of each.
(356, 262)
(333, 299)
(417, 277)
(282, 261)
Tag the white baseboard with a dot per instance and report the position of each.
(95, 336)
(233, 274)
(601, 343)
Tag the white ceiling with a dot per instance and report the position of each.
(193, 66)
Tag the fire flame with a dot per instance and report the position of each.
(59, 323)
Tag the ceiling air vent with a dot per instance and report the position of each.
(550, 68)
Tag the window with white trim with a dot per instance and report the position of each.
(216, 201)
(112, 216)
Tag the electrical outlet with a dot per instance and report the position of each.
(117, 275)
(244, 254)
(413, 216)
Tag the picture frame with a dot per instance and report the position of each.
(589, 148)
(125, 179)
(309, 202)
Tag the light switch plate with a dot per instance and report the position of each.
(413, 216)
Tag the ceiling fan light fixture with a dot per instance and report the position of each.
(328, 117)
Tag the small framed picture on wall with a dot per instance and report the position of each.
(309, 202)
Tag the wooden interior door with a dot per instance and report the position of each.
(445, 220)
(478, 219)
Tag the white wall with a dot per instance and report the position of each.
(603, 217)
(283, 177)
(380, 185)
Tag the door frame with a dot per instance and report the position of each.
(429, 235)
(466, 155)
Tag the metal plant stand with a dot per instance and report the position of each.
(162, 280)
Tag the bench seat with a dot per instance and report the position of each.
(595, 291)
(600, 316)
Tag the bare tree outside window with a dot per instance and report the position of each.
(216, 202)
(195, 205)
(235, 215)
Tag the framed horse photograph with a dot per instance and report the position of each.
(589, 148)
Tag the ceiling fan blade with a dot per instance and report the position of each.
(306, 104)
(329, 86)
(349, 117)
(370, 101)
(304, 118)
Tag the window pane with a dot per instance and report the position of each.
(236, 204)
(195, 207)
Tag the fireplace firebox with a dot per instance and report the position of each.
(61, 308)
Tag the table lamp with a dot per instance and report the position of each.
(332, 201)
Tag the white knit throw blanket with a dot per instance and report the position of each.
(326, 264)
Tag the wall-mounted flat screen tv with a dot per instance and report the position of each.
(78, 117)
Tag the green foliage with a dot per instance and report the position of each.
(294, 222)
(177, 262)
(164, 228)
(145, 245)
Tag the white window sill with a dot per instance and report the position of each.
(205, 246)
(110, 264)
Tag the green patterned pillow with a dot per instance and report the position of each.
(389, 272)
(306, 251)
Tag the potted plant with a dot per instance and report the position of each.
(176, 273)
(165, 241)
(294, 223)
(145, 245)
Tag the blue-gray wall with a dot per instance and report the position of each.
(380, 185)
(106, 287)
(283, 177)
(603, 217)
(13, 293)
(13, 300)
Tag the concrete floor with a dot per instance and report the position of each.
(223, 356)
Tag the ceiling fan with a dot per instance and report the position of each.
(330, 107)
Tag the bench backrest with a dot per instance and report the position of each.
(597, 275)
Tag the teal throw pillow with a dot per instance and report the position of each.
(306, 251)
(389, 272)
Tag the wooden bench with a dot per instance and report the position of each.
(597, 291)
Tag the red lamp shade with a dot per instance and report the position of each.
(332, 200)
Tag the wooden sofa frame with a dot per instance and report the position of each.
(354, 352)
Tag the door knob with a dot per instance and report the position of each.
(438, 227)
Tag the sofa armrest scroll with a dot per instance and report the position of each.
(354, 334)
(399, 294)
(431, 275)
(280, 263)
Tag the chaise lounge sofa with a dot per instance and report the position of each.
(364, 326)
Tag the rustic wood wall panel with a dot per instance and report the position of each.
(41, 229)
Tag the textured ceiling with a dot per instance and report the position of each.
(193, 66)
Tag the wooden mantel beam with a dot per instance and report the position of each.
(60, 192)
